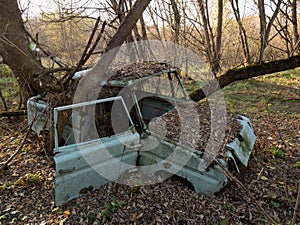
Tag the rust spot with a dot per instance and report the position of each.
(86, 190)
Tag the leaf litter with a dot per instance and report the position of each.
(273, 180)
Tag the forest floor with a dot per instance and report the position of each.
(273, 176)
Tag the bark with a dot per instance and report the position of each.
(244, 73)
(143, 27)
(263, 22)
(295, 26)
(177, 21)
(272, 19)
(120, 8)
(219, 31)
(14, 49)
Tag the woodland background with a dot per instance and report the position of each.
(252, 47)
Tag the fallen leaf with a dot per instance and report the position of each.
(133, 216)
(264, 178)
(66, 213)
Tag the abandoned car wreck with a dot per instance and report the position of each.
(134, 134)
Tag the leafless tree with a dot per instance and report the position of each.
(294, 21)
(213, 46)
(265, 27)
(186, 23)
(242, 31)
(177, 21)
(287, 28)
(32, 76)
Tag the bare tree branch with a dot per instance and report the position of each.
(177, 20)
(246, 72)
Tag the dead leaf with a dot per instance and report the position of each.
(66, 213)
(264, 178)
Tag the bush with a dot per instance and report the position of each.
(5, 71)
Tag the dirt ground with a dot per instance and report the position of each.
(272, 177)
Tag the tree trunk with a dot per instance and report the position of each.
(14, 49)
(208, 48)
(219, 32)
(212, 45)
(295, 26)
(244, 73)
(265, 28)
(177, 21)
(117, 40)
(242, 31)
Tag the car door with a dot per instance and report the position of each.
(83, 165)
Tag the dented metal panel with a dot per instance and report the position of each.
(38, 110)
(207, 181)
(77, 168)
(213, 178)
(244, 143)
(79, 165)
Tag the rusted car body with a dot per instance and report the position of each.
(134, 148)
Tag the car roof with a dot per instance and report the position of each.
(133, 73)
(140, 70)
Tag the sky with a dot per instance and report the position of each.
(35, 6)
(38, 6)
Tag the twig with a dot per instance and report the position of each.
(88, 52)
(81, 61)
(60, 64)
(239, 184)
(13, 113)
(20, 146)
(231, 177)
(257, 179)
(296, 206)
